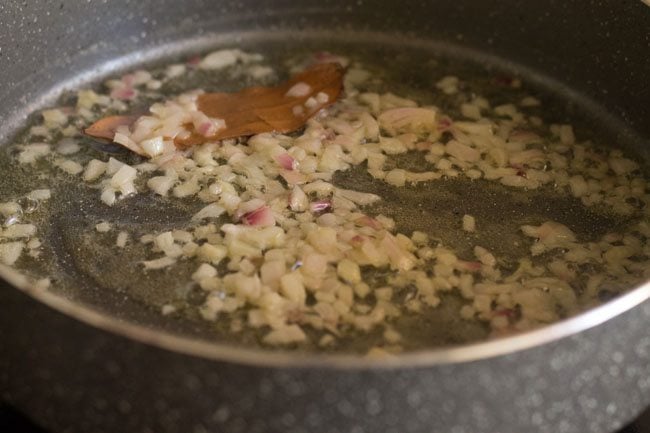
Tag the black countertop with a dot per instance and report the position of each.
(12, 421)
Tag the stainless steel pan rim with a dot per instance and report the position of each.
(262, 358)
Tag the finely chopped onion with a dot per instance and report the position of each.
(277, 240)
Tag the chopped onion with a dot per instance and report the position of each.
(204, 271)
(210, 211)
(262, 217)
(10, 252)
(219, 59)
(160, 263)
(108, 196)
(124, 93)
(298, 201)
(285, 335)
(469, 223)
(161, 184)
(40, 194)
(360, 198)
(68, 146)
(16, 231)
(153, 146)
(248, 206)
(286, 161)
(320, 206)
(32, 152)
(94, 169)
(468, 266)
(368, 222)
(69, 166)
(400, 259)
(122, 238)
(123, 176)
(299, 90)
(103, 227)
(462, 151)
(293, 177)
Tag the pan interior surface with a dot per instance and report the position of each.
(86, 270)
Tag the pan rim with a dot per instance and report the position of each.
(221, 352)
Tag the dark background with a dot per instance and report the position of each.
(12, 421)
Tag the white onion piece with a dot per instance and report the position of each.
(68, 146)
(367, 221)
(10, 208)
(113, 166)
(16, 231)
(360, 198)
(122, 239)
(108, 196)
(285, 335)
(320, 205)
(210, 211)
(286, 161)
(298, 201)
(40, 194)
(33, 152)
(123, 176)
(409, 119)
(248, 206)
(219, 59)
(400, 259)
(160, 263)
(262, 217)
(161, 184)
(299, 90)
(69, 166)
(462, 151)
(94, 169)
(10, 252)
(153, 146)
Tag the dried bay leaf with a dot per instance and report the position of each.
(253, 110)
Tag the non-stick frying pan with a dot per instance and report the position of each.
(105, 363)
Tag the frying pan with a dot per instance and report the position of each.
(101, 363)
